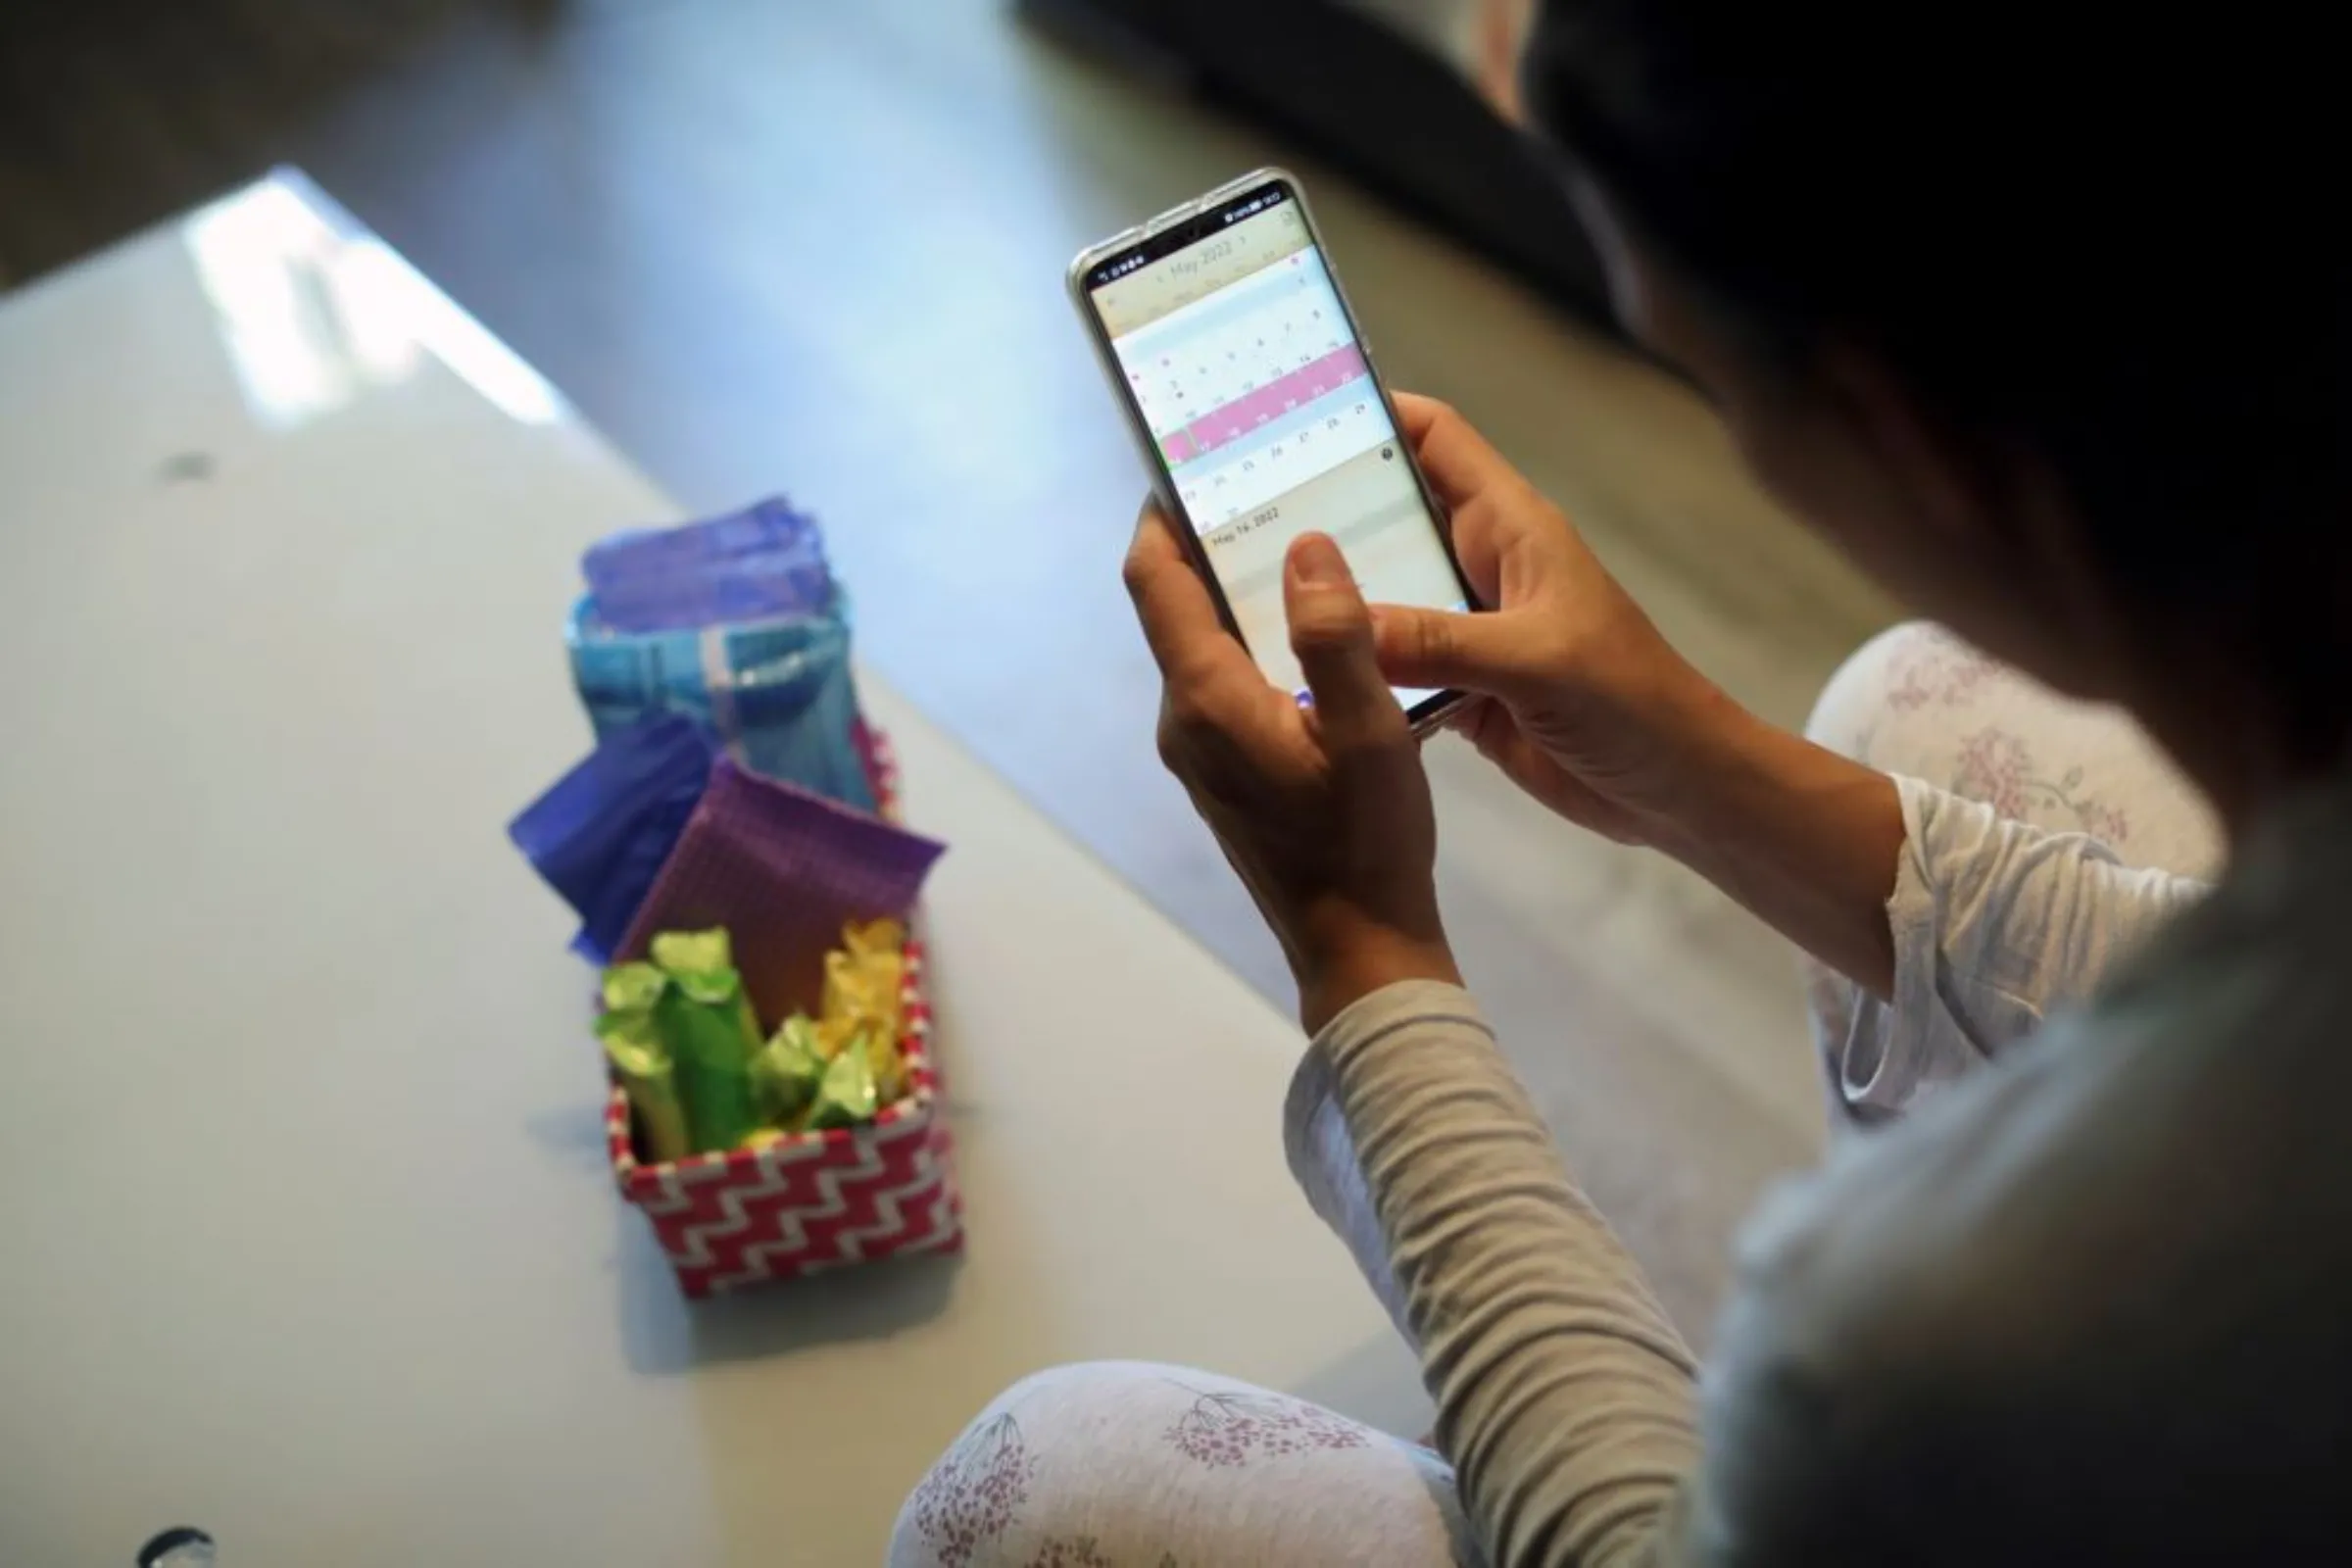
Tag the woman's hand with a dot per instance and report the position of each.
(1576, 695)
(1587, 708)
(1324, 810)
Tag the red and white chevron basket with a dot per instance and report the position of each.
(812, 1201)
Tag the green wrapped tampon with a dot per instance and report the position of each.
(788, 1069)
(633, 987)
(642, 1062)
(707, 1022)
(677, 953)
(847, 1096)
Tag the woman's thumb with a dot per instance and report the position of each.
(1331, 632)
(1469, 652)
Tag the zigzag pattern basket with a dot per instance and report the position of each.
(812, 1201)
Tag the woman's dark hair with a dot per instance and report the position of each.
(2106, 235)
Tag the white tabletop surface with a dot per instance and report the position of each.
(307, 1236)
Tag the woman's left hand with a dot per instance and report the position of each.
(1323, 810)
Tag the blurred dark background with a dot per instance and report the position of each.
(118, 111)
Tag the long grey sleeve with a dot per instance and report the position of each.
(1565, 1399)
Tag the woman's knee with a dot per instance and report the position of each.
(1879, 678)
(1127, 1461)
(1046, 1453)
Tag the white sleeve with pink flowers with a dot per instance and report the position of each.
(1996, 925)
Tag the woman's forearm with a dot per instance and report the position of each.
(1807, 840)
(1565, 1399)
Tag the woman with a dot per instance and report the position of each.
(2053, 349)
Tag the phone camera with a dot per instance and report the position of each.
(1386, 453)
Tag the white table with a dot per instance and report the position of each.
(307, 1236)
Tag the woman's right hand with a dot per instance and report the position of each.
(1575, 695)
(1582, 702)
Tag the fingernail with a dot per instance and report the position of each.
(1317, 561)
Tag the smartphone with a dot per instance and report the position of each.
(1230, 345)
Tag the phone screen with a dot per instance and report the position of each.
(1242, 362)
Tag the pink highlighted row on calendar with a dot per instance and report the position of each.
(1278, 397)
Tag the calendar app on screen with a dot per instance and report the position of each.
(1263, 406)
